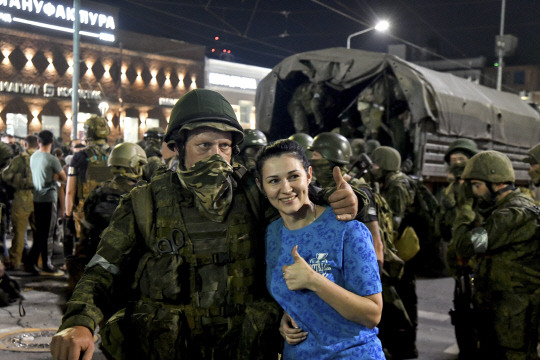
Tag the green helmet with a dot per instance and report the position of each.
(489, 166)
(128, 155)
(387, 158)
(253, 137)
(154, 133)
(96, 127)
(358, 146)
(202, 107)
(533, 155)
(333, 147)
(303, 139)
(463, 145)
(371, 145)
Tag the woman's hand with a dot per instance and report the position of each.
(298, 275)
(288, 328)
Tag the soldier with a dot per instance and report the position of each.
(6, 153)
(533, 159)
(308, 106)
(500, 234)
(399, 192)
(304, 140)
(254, 140)
(127, 161)
(88, 169)
(455, 158)
(188, 245)
(153, 139)
(19, 175)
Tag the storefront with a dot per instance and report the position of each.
(131, 79)
(237, 83)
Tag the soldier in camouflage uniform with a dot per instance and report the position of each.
(127, 161)
(455, 158)
(254, 140)
(87, 169)
(397, 190)
(533, 159)
(189, 245)
(153, 138)
(19, 176)
(500, 233)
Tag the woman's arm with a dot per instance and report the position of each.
(364, 310)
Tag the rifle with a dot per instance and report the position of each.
(462, 315)
(362, 163)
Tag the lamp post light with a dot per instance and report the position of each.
(381, 26)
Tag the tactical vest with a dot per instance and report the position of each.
(205, 266)
(26, 180)
(97, 170)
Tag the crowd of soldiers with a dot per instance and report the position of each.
(178, 259)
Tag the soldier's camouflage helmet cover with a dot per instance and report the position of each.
(387, 158)
(333, 147)
(202, 107)
(96, 127)
(489, 166)
(533, 155)
(154, 133)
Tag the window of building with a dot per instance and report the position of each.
(131, 129)
(51, 123)
(17, 124)
(152, 123)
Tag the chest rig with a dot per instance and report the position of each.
(203, 268)
(97, 170)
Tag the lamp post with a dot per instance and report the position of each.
(381, 26)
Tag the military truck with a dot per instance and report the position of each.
(380, 96)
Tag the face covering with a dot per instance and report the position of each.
(210, 181)
(377, 173)
(457, 169)
(323, 170)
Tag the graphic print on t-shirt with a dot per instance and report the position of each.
(321, 265)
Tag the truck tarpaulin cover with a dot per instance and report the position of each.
(457, 106)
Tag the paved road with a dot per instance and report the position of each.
(44, 302)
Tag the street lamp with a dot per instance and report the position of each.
(381, 26)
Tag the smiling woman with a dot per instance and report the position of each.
(332, 261)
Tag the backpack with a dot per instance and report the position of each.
(97, 171)
(425, 204)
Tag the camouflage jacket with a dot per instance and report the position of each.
(399, 194)
(511, 261)
(447, 210)
(18, 174)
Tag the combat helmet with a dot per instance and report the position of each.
(96, 127)
(253, 137)
(303, 139)
(489, 166)
(371, 145)
(202, 107)
(387, 158)
(333, 147)
(462, 145)
(128, 156)
(154, 133)
(358, 146)
(533, 155)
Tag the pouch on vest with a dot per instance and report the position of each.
(408, 244)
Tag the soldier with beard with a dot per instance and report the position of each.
(189, 246)
(499, 232)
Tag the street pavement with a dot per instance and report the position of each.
(44, 301)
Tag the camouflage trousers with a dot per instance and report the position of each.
(507, 325)
(22, 209)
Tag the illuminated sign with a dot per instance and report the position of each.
(49, 90)
(232, 81)
(55, 16)
(167, 101)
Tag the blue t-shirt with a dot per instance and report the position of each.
(343, 252)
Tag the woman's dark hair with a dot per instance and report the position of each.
(292, 148)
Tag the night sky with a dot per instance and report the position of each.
(264, 32)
